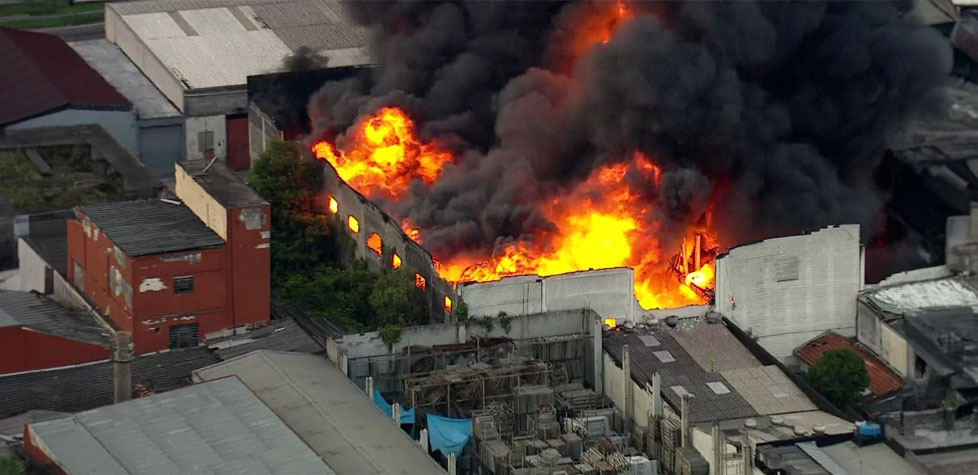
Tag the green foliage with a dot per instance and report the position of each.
(462, 310)
(505, 321)
(9, 466)
(488, 323)
(840, 376)
(74, 180)
(396, 301)
(390, 335)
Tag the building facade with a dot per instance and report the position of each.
(174, 274)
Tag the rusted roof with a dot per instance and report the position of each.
(40, 73)
(882, 380)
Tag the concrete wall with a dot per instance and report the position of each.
(608, 291)
(33, 268)
(541, 325)
(217, 101)
(118, 32)
(261, 131)
(161, 144)
(121, 125)
(785, 291)
(208, 209)
(880, 338)
(195, 127)
(371, 219)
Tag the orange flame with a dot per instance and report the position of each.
(383, 156)
(601, 223)
(601, 234)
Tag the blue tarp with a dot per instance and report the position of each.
(448, 435)
(407, 416)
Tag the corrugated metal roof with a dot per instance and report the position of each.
(222, 183)
(217, 427)
(882, 380)
(40, 73)
(768, 390)
(53, 249)
(279, 335)
(83, 387)
(38, 313)
(148, 227)
(219, 43)
(332, 415)
(684, 372)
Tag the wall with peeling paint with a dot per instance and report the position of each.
(249, 236)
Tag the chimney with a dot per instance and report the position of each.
(656, 394)
(597, 328)
(684, 420)
(748, 453)
(626, 367)
(717, 450)
(122, 366)
(973, 222)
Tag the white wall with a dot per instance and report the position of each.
(785, 291)
(214, 123)
(32, 268)
(121, 125)
(609, 292)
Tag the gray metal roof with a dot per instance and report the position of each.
(53, 249)
(121, 73)
(326, 410)
(219, 43)
(708, 362)
(222, 183)
(147, 227)
(87, 386)
(278, 335)
(38, 313)
(215, 427)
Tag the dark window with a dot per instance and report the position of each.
(183, 336)
(183, 285)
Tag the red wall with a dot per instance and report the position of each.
(238, 157)
(250, 265)
(28, 350)
(37, 456)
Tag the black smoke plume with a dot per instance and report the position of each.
(776, 112)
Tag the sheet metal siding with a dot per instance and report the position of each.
(219, 426)
(161, 147)
(147, 227)
(84, 387)
(28, 350)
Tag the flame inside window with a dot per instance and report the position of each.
(375, 244)
(353, 224)
(419, 281)
(334, 207)
(611, 322)
(396, 261)
(448, 304)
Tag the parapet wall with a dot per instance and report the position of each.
(341, 200)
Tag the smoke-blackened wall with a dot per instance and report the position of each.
(769, 116)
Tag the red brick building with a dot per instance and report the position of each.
(176, 273)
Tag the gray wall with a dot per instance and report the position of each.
(785, 291)
(161, 143)
(121, 125)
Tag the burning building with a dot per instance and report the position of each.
(543, 139)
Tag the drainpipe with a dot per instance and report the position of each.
(684, 419)
(122, 366)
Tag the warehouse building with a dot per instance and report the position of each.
(173, 273)
(199, 53)
(217, 427)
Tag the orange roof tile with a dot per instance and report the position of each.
(882, 380)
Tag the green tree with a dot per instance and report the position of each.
(461, 310)
(9, 466)
(840, 376)
(396, 301)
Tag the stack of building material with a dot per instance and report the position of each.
(547, 426)
(640, 465)
(585, 469)
(494, 455)
(559, 445)
(690, 462)
(574, 445)
(671, 434)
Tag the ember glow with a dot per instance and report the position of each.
(603, 224)
(382, 155)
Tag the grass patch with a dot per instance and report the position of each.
(48, 7)
(51, 22)
(75, 180)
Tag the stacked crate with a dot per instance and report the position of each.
(690, 462)
(671, 434)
